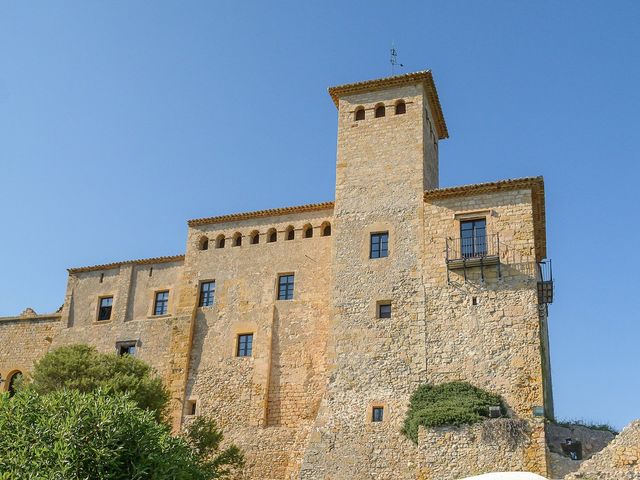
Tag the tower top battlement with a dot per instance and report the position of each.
(423, 77)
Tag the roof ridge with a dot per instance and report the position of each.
(141, 261)
(272, 212)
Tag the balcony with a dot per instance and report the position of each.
(478, 250)
(545, 282)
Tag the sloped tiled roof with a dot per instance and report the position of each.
(274, 212)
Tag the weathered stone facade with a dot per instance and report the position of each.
(300, 405)
(620, 460)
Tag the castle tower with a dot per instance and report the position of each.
(387, 155)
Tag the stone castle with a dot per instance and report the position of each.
(304, 330)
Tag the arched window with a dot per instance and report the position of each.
(359, 114)
(272, 235)
(237, 239)
(220, 241)
(325, 229)
(13, 378)
(380, 111)
(255, 237)
(308, 231)
(203, 243)
(401, 107)
(290, 233)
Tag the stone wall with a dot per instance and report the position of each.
(504, 444)
(23, 340)
(620, 460)
(265, 403)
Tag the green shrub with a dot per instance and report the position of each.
(68, 435)
(453, 403)
(587, 424)
(83, 368)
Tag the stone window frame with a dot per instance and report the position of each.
(127, 343)
(97, 312)
(237, 344)
(295, 284)
(380, 107)
(377, 227)
(202, 282)
(152, 308)
(191, 407)
(241, 328)
(385, 412)
(379, 304)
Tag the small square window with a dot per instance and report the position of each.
(207, 293)
(126, 348)
(285, 287)
(161, 304)
(384, 310)
(104, 312)
(379, 246)
(245, 345)
(377, 414)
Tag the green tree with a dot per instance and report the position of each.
(83, 368)
(69, 435)
(453, 403)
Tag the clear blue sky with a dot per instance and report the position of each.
(120, 120)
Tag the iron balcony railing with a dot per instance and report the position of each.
(473, 247)
(545, 282)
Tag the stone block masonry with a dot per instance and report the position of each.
(300, 402)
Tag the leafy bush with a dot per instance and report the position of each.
(453, 403)
(71, 435)
(83, 368)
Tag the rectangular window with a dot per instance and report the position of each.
(384, 310)
(379, 245)
(245, 345)
(126, 348)
(104, 312)
(473, 238)
(162, 303)
(285, 287)
(377, 413)
(191, 407)
(207, 293)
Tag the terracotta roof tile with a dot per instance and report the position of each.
(143, 261)
(274, 212)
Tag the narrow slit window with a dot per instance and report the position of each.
(377, 414)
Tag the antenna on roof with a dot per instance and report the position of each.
(394, 59)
